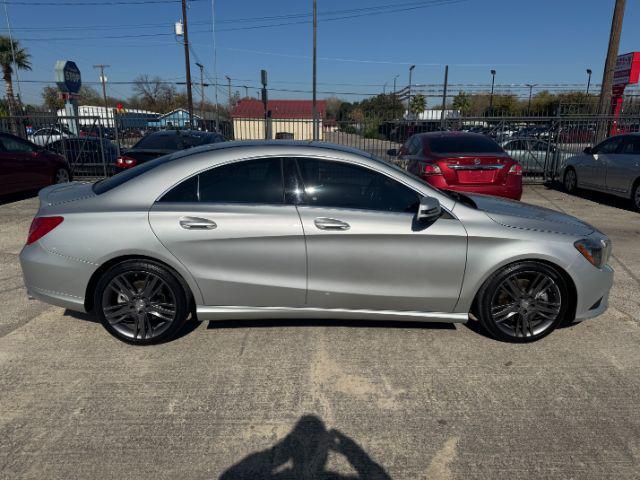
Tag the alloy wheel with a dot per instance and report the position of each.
(636, 198)
(62, 176)
(570, 180)
(526, 304)
(139, 305)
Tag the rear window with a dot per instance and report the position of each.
(107, 184)
(463, 144)
(175, 141)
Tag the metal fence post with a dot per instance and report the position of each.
(115, 131)
(104, 162)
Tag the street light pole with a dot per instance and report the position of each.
(384, 88)
(530, 85)
(493, 82)
(201, 67)
(228, 89)
(589, 80)
(246, 91)
(394, 85)
(409, 98)
(187, 63)
(315, 31)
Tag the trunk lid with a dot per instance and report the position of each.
(65, 193)
(474, 169)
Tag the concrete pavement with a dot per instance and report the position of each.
(400, 401)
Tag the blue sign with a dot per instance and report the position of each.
(68, 76)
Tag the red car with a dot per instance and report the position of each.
(26, 166)
(460, 161)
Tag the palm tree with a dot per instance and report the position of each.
(12, 55)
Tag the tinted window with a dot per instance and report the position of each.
(463, 144)
(251, 181)
(175, 140)
(15, 145)
(632, 146)
(107, 184)
(610, 145)
(342, 185)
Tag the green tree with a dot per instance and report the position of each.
(462, 102)
(51, 98)
(418, 104)
(10, 51)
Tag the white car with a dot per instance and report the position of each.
(47, 135)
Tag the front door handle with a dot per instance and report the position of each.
(197, 223)
(324, 223)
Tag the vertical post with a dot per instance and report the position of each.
(103, 81)
(588, 80)
(604, 106)
(187, 63)
(444, 95)
(246, 91)
(201, 67)
(394, 85)
(409, 98)
(493, 82)
(265, 102)
(315, 31)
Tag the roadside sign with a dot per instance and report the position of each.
(627, 69)
(68, 76)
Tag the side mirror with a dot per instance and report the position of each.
(392, 152)
(429, 209)
(588, 151)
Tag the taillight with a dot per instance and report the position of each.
(126, 162)
(40, 226)
(430, 169)
(516, 169)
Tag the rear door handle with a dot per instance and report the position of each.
(197, 223)
(324, 223)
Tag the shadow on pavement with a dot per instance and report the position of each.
(303, 454)
(272, 323)
(598, 197)
(16, 197)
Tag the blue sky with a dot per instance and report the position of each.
(542, 42)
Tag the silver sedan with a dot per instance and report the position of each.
(305, 230)
(612, 166)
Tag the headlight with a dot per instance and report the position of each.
(596, 252)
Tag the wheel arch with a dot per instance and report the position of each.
(571, 285)
(95, 277)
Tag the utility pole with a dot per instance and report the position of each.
(315, 31)
(394, 85)
(444, 95)
(493, 82)
(187, 63)
(588, 80)
(530, 85)
(246, 91)
(409, 98)
(229, 89)
(384, 88)
(604, 106)
(265, 103)
(103, 81)
(201, 67)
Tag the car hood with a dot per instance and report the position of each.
(65, 192)
(511, 213)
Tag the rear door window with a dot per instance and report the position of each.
(631, 146)
(608, 146)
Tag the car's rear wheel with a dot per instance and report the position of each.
(141, 302)
(635, 196)
(570, 180)
(523, 302)
(62, 175)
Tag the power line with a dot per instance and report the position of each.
(95, 3)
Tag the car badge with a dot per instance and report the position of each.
(477, 161)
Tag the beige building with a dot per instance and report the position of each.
(288, 119)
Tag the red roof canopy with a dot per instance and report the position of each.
(282, 109)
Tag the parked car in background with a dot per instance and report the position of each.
(461, 161)
(87, 155)
(160, 143)
(532, 153)
(612, 166)
(46, 135)
(26, 166)
(306, 230)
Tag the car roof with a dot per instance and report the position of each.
(429, 135)
(169, 133)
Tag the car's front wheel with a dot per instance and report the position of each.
(141, 302)
(523, 302)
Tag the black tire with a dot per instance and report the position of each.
(635, 196)
(570, 186)
(514, 326)
(126, 327)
